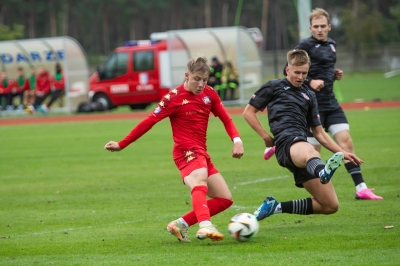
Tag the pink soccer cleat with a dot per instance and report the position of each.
(367, 194)
(269, 151)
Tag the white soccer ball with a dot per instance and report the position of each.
(243, 226)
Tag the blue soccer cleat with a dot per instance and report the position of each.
(332, 164)
(266, 209)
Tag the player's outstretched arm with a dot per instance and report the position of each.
(251, 118)
(238, 150)
(326, 141)
(112, 146)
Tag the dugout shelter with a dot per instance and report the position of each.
(239, 45)
(47, 52)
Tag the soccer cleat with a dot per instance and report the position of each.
(367, 194)
(179, 230)
(43, 109)
(266, 209)
(30, 109)
(209, 231)
(332, 164)
(269, 151)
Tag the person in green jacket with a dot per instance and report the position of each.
(230, 81)
(214, 80)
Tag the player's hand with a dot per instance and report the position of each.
(352, 158)
(269, 142)
(238, 150)
(317, 84)
(338, 74)
(112, 146)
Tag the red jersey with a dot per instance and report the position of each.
(43, 82)
(58, 81)
(188, 114)
(7, 86)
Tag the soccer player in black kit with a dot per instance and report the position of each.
(292, 109)
(321, 76)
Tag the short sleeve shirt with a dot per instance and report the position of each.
(291, 110)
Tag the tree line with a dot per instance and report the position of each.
(101, 25)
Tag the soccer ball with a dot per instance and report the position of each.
(243, 227)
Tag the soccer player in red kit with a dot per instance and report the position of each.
(188, 108)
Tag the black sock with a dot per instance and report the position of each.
(301, 206)
(314, 166)
(355, 172)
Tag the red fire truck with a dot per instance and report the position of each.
(130, 76)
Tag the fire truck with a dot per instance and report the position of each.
(142, 72)
(131, 76)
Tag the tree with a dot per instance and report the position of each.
(365, 25)
(11, 33)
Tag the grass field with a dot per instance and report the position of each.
(368, 86)
(65, 201)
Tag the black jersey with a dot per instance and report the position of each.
(290, 109)
(323, 60)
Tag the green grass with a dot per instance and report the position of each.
(65, 201)
(368, 86)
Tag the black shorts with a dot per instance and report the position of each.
(282, 153)
(329, 118)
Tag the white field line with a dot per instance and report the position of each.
(261, 180)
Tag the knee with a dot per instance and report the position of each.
(225, 202)
(331, 208)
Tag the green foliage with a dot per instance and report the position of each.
(11, 33)
(364, 24)
(395, 10)
(66, 201)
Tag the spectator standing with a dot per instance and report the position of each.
(214, 79)
(230, 81)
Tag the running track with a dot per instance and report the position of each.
(139, 115)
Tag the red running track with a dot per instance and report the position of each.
(139, 115)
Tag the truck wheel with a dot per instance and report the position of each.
(103, 100)
(141, 106)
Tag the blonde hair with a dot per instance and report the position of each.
(318, 12)
(298, 58)
(199, 65)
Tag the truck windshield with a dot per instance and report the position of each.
(143, 61)
(116, 65)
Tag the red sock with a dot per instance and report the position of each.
(215, 205)
(199, 203)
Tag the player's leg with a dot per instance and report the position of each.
(220, 199)
(10, 100)
(306, 166)
(53, 97)
(324, 199)
(339, 128)
(196, 181)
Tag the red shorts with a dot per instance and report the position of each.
(192, 160)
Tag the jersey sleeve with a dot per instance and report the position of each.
(313, 119)
(219, 110)
(164, 109)
(262, 96)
